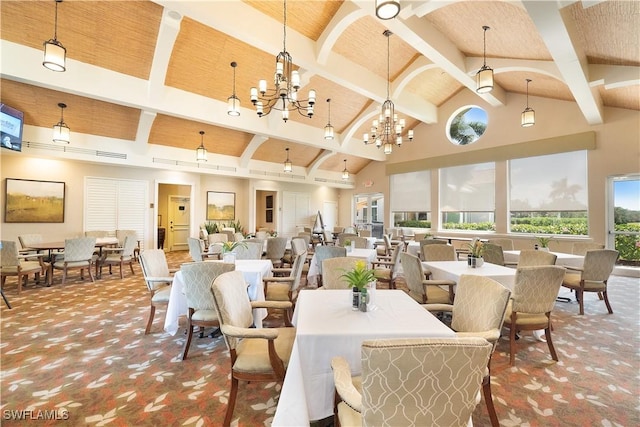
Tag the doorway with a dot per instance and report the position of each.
(174, 212)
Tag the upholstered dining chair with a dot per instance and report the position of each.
(532, 258)
(478, 311)
(326, 252)
(593, 276)
(257, 354)
(506, 244)
(198, 278)
(386, 271)
(285, 288)
(383, 251)
(78, 254)
(360, 242)
(119, 256)
(493, 253)
(248, 250)
(218, 238)
(438, 252)
(276, 247)
(343, 237)
(423, 290)
(21, 266)
(197, 252)
(122, 234)
(412, 382)
(158, 277)
(533, 298)
(333, 269)
(96, 233)
(581, 248)
(327, 238)
(26, 240)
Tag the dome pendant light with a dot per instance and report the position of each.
(484, 76)
(528, 116)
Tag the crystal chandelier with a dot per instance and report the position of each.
(284, 97)
(387, 129)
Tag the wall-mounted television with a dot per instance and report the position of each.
(11, 123)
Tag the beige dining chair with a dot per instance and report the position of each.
(98, 234)
(78, 254)
(248, 250)
(119, 256)
(493, 253)
(423, 290)
(342, 237)
(198, 278)
(285, 288)
(506, 244)
(334, 269)
(256, 354)
(122, 234)
(411, 382)
(264, 235)
(198, 253)
(387, 271)
(439, 252)
(158, 278)
(532, 258)
(26, 240)
(275, 251)
(326, 252)
(581, 248)
(21, 266)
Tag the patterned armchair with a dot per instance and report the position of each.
(333, 269)
(158, 277)
(422, 290)
(285, 288)
(276, 247)
(326, 252)
(248, 250)
(386, 271)
(493, 253)
(120, 256)
(581, 248)
(533, 258)
(78, 253)
(419, 382)
(257, 354)
(14, 264)
(505, 244)
(198, 253)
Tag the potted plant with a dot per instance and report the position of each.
(227, 251)
(358, 279)
(211, 227)
(476, 249)
(543, 242)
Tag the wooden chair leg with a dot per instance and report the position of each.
(232, 401)
(187, 343)
(606, 301)
(152, 313)
(512, 344)
(580, 296)
(552, 349)
(131, 266)
(488, 399)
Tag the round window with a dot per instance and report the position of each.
(466, 125)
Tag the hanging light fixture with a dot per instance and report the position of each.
(484, 76)
(387, 9)
(54, 53)
(201, 152)
(61, 131)
(345, 172)
(528, 116)
(284, 97)
(328, 129)
(233, 103)
(288, 167)
(387, 129)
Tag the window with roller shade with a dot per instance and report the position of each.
(467, 197)
(411, 198)
(548, 194)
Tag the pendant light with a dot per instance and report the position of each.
(288, 167)
(54, 53)
(528, 116)
(201, 152)
(233, 103)
(345, 172)
(328, 129)
(61, 131)
(484, 76)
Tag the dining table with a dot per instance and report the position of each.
(252, 270)
(327, 326)
(452, 270)
(565, 260)
(101, 242)
(313, 275)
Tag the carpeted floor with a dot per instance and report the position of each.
(80, 350)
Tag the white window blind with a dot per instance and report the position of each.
(115, 204)
(411, 192)
(468, 188)
(555, 182)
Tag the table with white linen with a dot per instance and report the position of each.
(413, 248)
(565, 260)
(252, 270)
(313, 274)
(328, 327)
(452, 270)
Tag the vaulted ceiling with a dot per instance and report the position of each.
(158, 72)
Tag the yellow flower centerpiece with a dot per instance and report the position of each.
(476, 249)
(360, 276)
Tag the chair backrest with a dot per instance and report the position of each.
(9, 254)
(536, 288)
(231, 234)
(262, 235)
(238, 237)
(296, 270)
(493, 253)
(507, 244)
(581, 248)
(122, 234)
(248, 250)
(365, 233)
(420, 236)
(195, 249)
(413, 275)
(360, 242)
(298, 245)
(422, 381)
(439, 253)
(598, 264)
(154, 264)
(96, 233)
(306, 237)
(198, 278)
(326, 252)
(79, 249)
(334, 268)
(532, 258)
(27, 239)
(232, 303)
(129, 245)
(218, 238)
(480, 305)
(276, 247)
(328, 236)
(338, 230)
(345, 236)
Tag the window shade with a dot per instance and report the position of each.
(468, 188)
(411, 192)
(556, 182)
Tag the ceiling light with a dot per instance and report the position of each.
(387, 129)
(387, 9)
(288, 167)
(484, 76)
(284, 97)
(54, 53)
(328, 129)
(201, 152)
(61, 131)
(233, 108)
(528, 117)
(345, 172)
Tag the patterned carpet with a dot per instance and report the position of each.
(78, 353)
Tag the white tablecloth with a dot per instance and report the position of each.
(327, 327)
(565, 260)
(452, 270)
(253, 272)
(413, 248)
(369, 255)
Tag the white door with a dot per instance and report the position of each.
(179, 223)
(295, 212)
(329, 215)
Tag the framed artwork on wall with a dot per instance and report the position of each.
(29, 200)
(221, 206)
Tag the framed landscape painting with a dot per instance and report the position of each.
(34, 201)
(221, 206)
